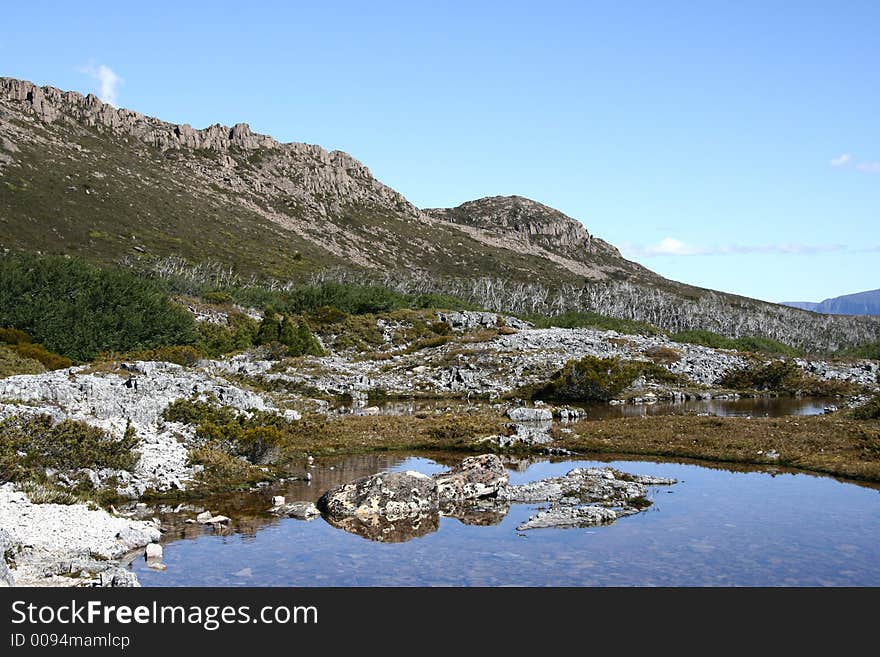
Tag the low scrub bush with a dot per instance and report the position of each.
(869, 411)
(29, 445)
(777, 376)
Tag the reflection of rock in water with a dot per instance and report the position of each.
(380, 528)
(476, 512)
(399, 506)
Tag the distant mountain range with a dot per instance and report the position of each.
(860, 303)
(111, 185)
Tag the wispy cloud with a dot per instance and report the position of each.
(670, 246)
(869, 167)
(846, 160)
(107, 82)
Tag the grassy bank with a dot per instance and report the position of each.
(833, 445)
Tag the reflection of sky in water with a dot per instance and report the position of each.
(714, 527)
(747, 406)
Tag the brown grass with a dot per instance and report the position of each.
(352, 433)
(832, 445)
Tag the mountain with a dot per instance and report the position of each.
(82, 177)
(860, 303)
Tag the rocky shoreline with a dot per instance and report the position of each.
(51, 544)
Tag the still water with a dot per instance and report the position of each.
(743, 407)
(716, 527)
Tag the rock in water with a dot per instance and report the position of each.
(298, 510)
(153, 551)
(393, 495)
(570, 516)
(474, 478)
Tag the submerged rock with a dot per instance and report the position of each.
(474, 478)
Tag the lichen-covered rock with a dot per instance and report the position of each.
(394, 495)
(474, 478)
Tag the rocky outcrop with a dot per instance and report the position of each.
(467, 320)
(111, 401)
(55, 540)
(475, 478)
(531, 228)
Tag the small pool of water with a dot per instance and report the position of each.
(743, 407)
(715, 527)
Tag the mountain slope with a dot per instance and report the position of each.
(860, 303)
(78, 176)
(83, 177)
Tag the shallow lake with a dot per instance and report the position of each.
(716, 527)
(743, 407)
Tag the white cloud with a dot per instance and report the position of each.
(869, 167)
(107, 81)
(845, 160)
(670, 246)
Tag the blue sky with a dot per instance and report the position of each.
(732, 145)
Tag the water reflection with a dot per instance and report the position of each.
(743, 407)
(718, 526)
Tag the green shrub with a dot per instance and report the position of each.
(869, 350)
(29, 445)
(195, 412)
(328, 315)
(589, 379)
(270, 328)
(778, 376)
(223, 471)
(78, 310)
(868, 411)
(257, 436)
